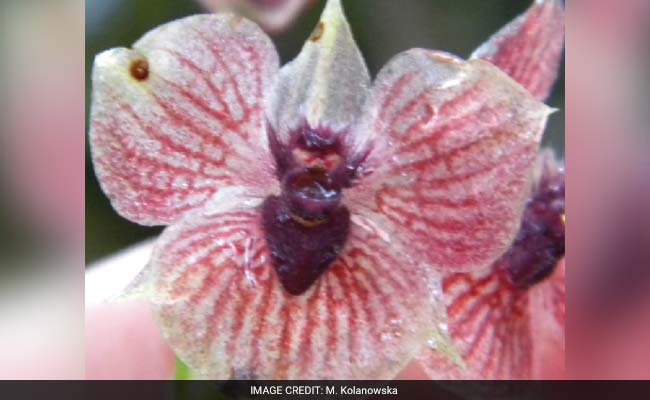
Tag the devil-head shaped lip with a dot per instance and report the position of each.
(311, 191)
(428, 167)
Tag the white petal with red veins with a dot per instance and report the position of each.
(326, 84)
(501, 328)
(530, 47)
(501, 331)
(548, 320)
(448, 147)
(223, 310)
(180, 116)
(489, 324)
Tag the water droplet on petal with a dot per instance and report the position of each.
(386, 337)
(250, 278)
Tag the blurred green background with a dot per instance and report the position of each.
(382, 28)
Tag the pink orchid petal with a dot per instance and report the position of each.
(548, 322)
(180, 116)
(501, 331)
(530, 47)
(448, 147)
(489, 324)
(508, 321)
(325, 85)
(272, 15)
(223, 310)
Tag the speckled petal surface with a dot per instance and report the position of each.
(501, 331)
(325, 85)
(529, 48)
(223, 310)
(548, 313)
(503, 327)
(446, 148)
(489, 323)
(180, 116)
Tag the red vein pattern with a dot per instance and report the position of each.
(499, 330)
(530, 47)
(549, 322)
(163, 145)
(451, 145)
(223, 310)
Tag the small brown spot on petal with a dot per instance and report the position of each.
(318, 32)
(139, 69)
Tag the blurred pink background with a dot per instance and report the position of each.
(608, 249)
(41, 192)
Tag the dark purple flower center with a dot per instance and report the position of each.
(311, 193)
(539, 244)
(306, 227)
(301, 250)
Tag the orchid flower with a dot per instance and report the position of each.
(312, 215)
(272, 15)
(507, 321)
